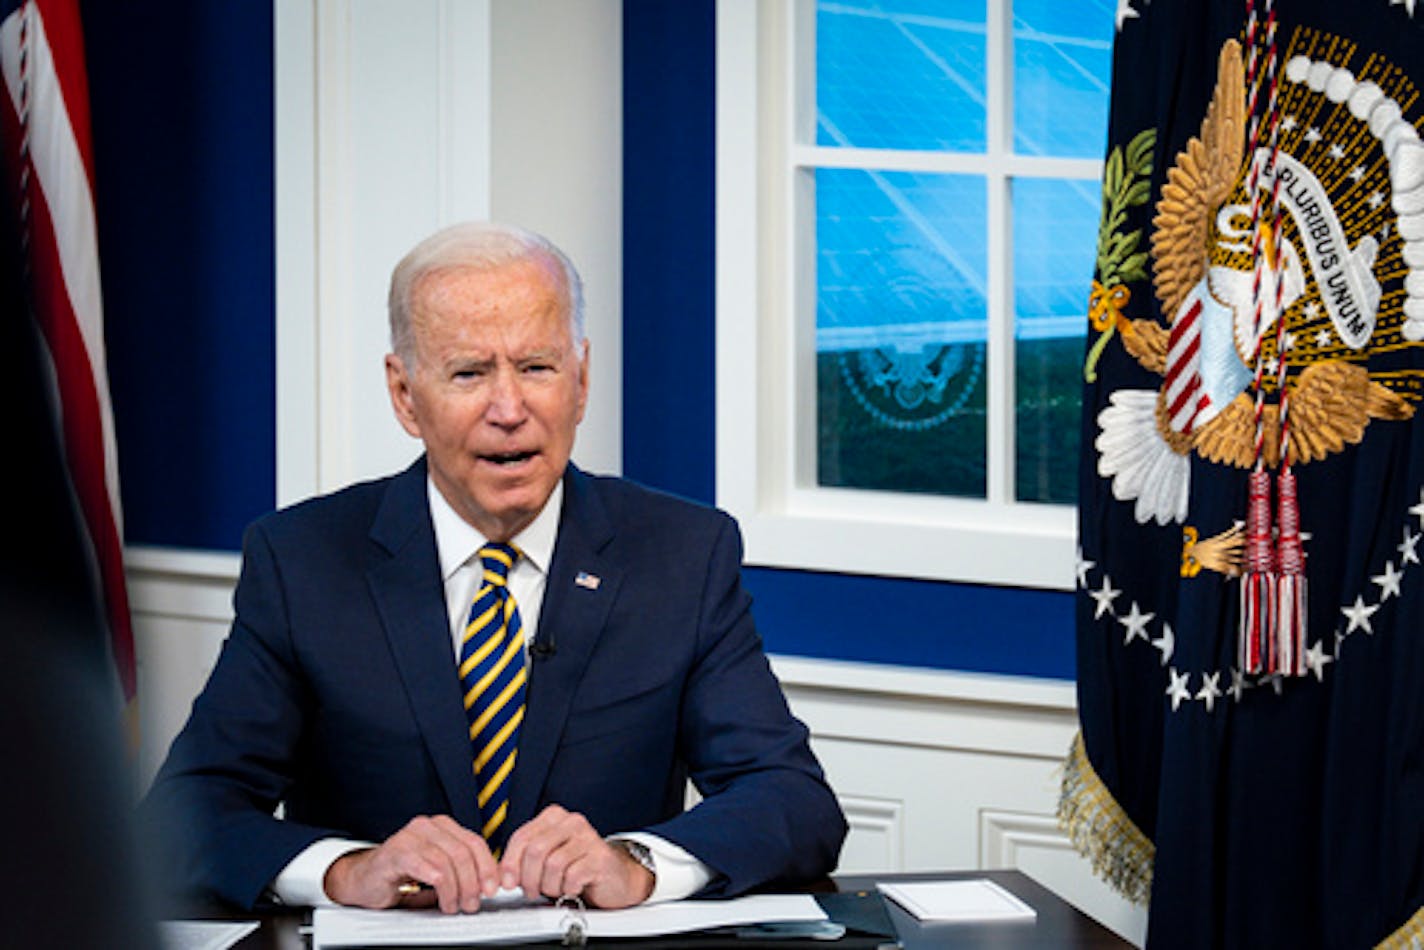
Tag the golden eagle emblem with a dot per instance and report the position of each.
(1346, 214)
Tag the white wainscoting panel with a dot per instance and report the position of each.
(935, 770)
(877, 833)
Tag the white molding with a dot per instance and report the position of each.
(1002, 834)
(918, 683)
(877, 825)
(294, 160)
(181, 584)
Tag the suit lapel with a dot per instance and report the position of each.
(579, 592)
(410, 597)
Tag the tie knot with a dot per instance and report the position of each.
(498, 559)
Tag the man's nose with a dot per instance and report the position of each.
(506, 405)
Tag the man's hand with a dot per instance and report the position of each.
(560, 853)
(437, 851)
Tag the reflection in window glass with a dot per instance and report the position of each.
(900, 74)
(1055, 226)
(901, 286)
(1062, 65)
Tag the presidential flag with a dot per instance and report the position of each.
(1250, 615)
(49, 167)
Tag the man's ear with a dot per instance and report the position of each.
(583, 381)
(402, 398)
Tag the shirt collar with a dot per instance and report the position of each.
(457, 541)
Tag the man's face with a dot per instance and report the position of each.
(496, 390)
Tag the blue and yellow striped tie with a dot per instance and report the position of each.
(493, 674)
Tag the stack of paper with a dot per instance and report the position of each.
(976, 900)
(344, 927)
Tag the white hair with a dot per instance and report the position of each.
(479, 245)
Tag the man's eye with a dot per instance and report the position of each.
(467, 373)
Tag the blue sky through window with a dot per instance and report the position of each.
(901, 257)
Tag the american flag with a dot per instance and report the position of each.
(50, 169)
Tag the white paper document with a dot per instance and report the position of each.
(346, 927)
(977, 900)
(202, 934)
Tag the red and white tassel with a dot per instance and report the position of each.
(1258, 584)
(1291, 619)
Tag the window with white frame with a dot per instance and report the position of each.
(907, 209)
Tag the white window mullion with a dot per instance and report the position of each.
(1000, 345)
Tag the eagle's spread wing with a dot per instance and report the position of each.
(1332, 404)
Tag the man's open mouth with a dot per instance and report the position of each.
(508, 458)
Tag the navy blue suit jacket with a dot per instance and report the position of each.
(336, 693)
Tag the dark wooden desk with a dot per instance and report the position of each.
(1059, 923)
(1059, 926)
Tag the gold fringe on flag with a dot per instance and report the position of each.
(1408, 937)
(1101, 831)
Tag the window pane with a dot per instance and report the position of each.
(900, 331)
(900, 74)
(1055, 229)
(1062, 67)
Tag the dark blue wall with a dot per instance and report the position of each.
(181, 95)
(669, 431)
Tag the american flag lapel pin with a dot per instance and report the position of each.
(587, 581)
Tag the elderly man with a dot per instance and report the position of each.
(492, 670)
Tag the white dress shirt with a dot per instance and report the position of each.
(679, 874)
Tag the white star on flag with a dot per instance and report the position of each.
(1104, 598)
(1376, 199)
(1316, 658)
(1419, 508)
(1388, 581)
(1125, 12)
(1136, 624)
(1166, 643)
(1238, 685)
(1322, 338)
(1359, 615)
(1210, 692)
(1407, 552)
(1312, 134)
(1084, 565)
(1357, 172)
(1177, 688)
(1336, 152)
(1407, 4)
